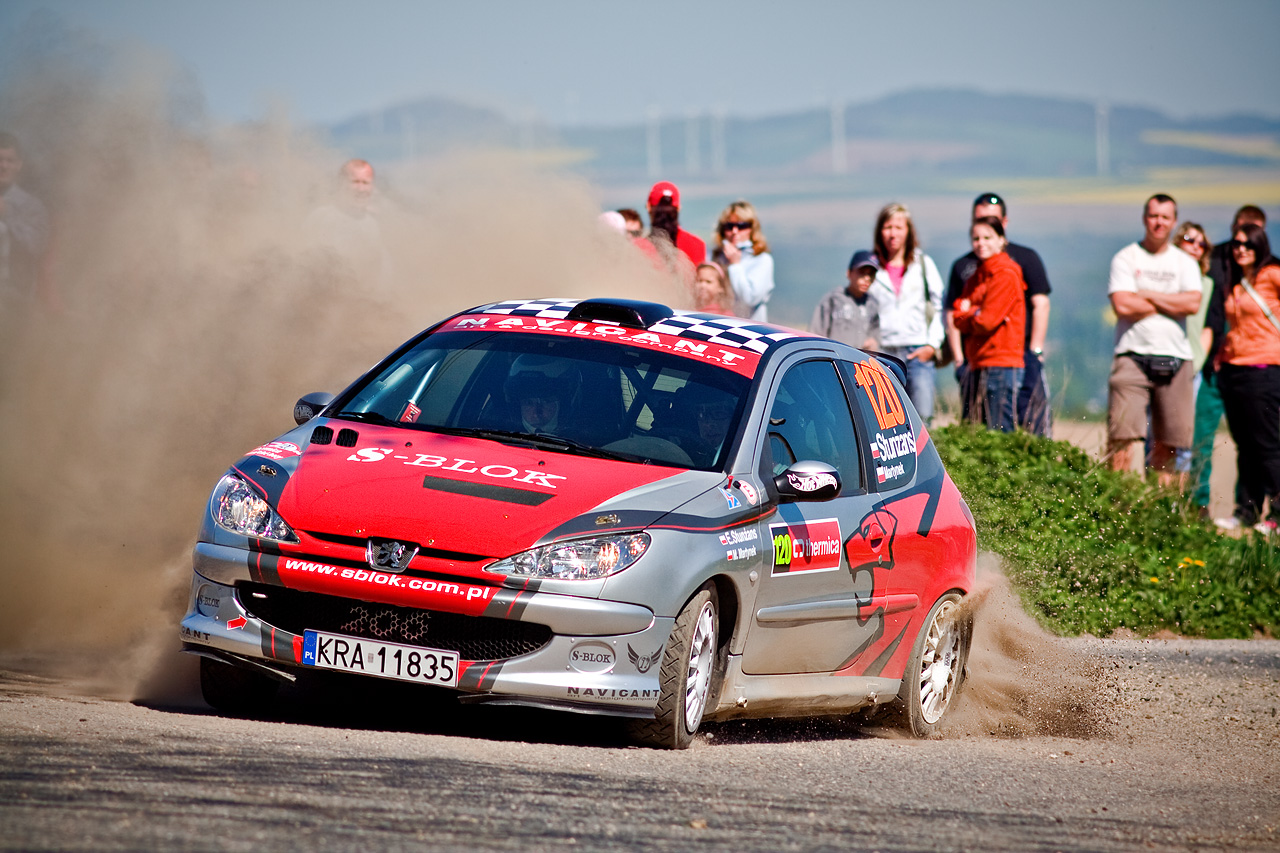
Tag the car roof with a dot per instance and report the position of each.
(654, 317)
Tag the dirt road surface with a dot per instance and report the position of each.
(1081, 745)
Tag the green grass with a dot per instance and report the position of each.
(1092, 550)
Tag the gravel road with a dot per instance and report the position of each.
(1081, 745)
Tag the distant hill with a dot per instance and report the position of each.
(936, 131)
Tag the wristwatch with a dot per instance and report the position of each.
(1038, 352)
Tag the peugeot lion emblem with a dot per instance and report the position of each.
(389, 555)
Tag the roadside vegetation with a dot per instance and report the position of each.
(1093, 551)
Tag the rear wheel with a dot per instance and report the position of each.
(235, 690)
(685, 680)
(936, 669)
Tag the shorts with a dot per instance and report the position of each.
(1131, 392)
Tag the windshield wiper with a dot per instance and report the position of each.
(369, 418)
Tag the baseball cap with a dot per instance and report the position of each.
(863, 258)
(989, 198)
(664, 189)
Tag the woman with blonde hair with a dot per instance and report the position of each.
(908, 291)
(1196, 462)
(741, 249)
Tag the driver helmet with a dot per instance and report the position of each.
(542, 376)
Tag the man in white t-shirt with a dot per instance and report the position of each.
(1153, 288)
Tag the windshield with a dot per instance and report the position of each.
(574, 395)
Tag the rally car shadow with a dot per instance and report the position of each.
(333, 700)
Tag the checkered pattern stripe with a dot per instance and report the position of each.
(725, 331)
(554, 308)
(709, 328)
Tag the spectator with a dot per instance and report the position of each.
(848, 313)
(711, 291)
(908, 293)
(664, 218)
(1250, 377)
(744, 253)
(1034, 414)
(1209, 409)
(348, 226)
(1197, 460)
(991, 314)
(613, 221)
(635, 225)
(24, 233)
(1152, 290)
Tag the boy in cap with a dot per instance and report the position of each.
(849, 314)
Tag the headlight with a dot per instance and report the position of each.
(583, 559)
(238, 508)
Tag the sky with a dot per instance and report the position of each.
(570, 62)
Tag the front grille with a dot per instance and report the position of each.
(472, 637)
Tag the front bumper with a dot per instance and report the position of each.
(561, 651)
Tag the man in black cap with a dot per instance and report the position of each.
(1033, 397)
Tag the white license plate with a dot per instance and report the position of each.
(384, 660)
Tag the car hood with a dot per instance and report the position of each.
(464, 500)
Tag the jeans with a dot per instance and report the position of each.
(1034, 414)
(991, 396)
(920, 377)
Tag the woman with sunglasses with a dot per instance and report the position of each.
(908, 291)
(740, 248)
(1197, 461)
(1250, 377)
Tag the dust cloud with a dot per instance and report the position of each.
(1023, 681)
(191, 309)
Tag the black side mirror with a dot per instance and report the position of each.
(808, 481)
(310, 406)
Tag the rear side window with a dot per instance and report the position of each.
(882, 407)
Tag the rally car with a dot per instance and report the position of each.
(603, 506)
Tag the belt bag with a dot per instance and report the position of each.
(1160, 369)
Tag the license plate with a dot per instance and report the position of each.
(384, 660)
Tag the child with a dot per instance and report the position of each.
(849, 314)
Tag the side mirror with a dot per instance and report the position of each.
(808, 481)
(310, 406)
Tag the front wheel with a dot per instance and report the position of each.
(688, 664)
(936, 669)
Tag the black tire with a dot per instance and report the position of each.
(236, 690)
(690, 666)
(935, 672)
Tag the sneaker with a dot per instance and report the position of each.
(1228, 523)
(1266, 528)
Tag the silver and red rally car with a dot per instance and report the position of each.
(603, 506)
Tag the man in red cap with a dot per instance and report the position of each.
(664, 218)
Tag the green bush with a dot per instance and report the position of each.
(1092, 550)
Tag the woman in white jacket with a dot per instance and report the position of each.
(740, 248)
(908, 291)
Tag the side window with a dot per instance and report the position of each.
(891, 442)
(810, 420)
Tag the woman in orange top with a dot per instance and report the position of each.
(992, 315)
(1250, 375)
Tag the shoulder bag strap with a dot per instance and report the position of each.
(1261, 304)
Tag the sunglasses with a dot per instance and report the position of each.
(1194, 241)
(1241, 244)
(726, 227)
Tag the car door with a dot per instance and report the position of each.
(807, 616)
